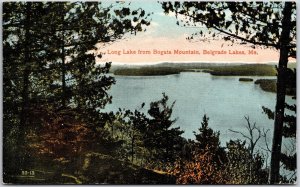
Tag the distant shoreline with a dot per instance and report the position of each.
(212, 68)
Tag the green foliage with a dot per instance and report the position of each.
(161, 136)
(269, 85)
(206, 136)
(125, 128)
(148, 139)
(246, 70)
(54, 93)
(214, 69)
(146, 71)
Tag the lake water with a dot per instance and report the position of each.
(224, 99)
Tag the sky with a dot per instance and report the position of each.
(164, 34)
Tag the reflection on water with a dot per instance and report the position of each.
(224, 99)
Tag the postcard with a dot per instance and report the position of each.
(148, 92)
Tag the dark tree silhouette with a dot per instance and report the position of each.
(207, 136)
(160, 135)
(289, 157)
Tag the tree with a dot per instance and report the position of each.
(139, 123)
(252, 137)
(208, 138)
(160, 135)
(265, 24)
(148, 136)
(210, 163)
(125, 127)
(245, 158)
(47, 58)
(20, 60)
(243, 166)
(289, 157)
(204, 159)
(202, 169)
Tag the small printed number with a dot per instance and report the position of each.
(28, 173)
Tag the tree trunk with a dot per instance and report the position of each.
(281, 89)
(132, 148)
(63, 65)
(25, 95)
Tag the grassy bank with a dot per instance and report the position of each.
(269, 85)
(243, 70)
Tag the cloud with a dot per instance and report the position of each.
(154, 24)
(151, 28)
(170, 14)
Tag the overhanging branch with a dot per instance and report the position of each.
(234, 35)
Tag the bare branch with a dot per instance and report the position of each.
(251, 128)
(265, 137)
(240, 133)
(293, 175)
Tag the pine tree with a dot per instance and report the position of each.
(21, 61)
(160, 135)
(207, 137)
(204, 159)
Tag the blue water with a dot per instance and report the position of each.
(224, 99)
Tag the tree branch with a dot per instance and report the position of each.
(265, 137)
(240, 133)
(233, 35)
(257, 19)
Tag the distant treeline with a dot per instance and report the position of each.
(213, 69)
